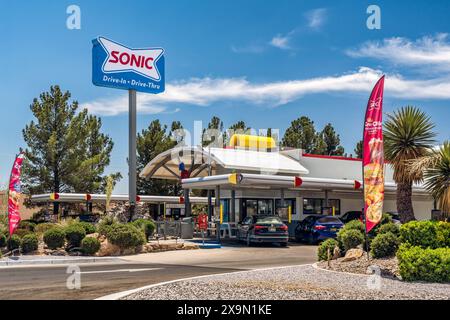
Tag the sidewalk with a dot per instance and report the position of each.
(53, 260)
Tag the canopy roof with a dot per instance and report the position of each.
(197, 159)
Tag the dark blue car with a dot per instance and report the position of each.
(316, 228)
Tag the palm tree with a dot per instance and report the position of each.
(408, 135)
(436, 172)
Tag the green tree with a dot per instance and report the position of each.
(329, 139)
(65, 150)
(150, 143)
(214, 124)
(301, 134)
(359, 149)
(408, 135)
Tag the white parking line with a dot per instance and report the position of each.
(118, 270)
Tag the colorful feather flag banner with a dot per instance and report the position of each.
(373, 157)
(14, 195)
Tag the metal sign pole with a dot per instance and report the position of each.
(132, 152)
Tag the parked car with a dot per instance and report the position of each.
(352, 215)
(263, 228)
(316, 228)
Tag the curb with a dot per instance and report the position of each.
(63, 261)
(122, 294)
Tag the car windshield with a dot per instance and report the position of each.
(329, 220)
(268, 220)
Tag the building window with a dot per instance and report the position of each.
(317, 206)
(287, 203)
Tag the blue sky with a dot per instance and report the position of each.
(263, 62)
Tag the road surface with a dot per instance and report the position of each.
(49, 282)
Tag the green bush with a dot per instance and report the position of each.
(389, 227)
(14, 242)
(22, 232)
(322, 251)
(350, 238)
(41, 228)
(88, 227)
(355, 225)
(125, 236)
(384, 245)
(2, 240)
(30, 243)
(74, 234)
(147, 226)
(28, 225)
(105, 225)
(426, 234)
(54, 238)
(418, 264)
(90, 245)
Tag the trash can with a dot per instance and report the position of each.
(187, 228)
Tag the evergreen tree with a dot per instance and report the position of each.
(66, 152)
(214, 124)
(150, 143)
(331, 141)
(359, 149)
(301, 134)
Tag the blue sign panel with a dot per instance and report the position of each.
(117, 66)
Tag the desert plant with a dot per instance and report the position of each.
(54, 238)
(14, 242)
(26, 224)
(408, 135)
(384, 245)
(88, 227)
(147, 226)
(41, 228)
(419, 264)
(125, 235)
(389, 227)
(30, 243)
(351, 238)
(322, 251)
(90, 245)
(2, 240)
(22, 232)
(74, 234)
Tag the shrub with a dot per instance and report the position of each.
(14, 242)
(41, 228)
(74, 234)
(322, 251)
(88, 227)
(105, 225)
(125, 236)
(2, 240)
(30, 243)
(28, 225)
(350, 238)
(418, 264)
(90, 245)
(147, 226)
(384, 245)
(426, 234)
(389, 227)
(22, 232)
(355, 225)
(54, 238)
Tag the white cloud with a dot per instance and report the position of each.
(206, 91)
(281, 42)
(316, 18)
(428, 51)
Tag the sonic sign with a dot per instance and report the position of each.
(117, 66)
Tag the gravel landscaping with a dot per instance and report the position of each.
(292, 283)
(388, 266)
